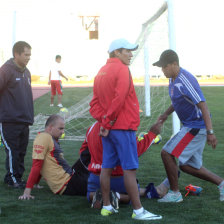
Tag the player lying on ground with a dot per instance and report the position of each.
(93, 142)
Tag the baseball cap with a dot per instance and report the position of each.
(121, 43)
(167, 57)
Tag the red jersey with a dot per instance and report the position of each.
(94, 143)
(114, 97)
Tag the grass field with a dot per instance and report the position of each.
(49, 208)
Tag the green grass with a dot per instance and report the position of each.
(49, 208)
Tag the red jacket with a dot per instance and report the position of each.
(114, 97)
(94, 143)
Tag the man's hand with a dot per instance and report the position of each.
(104, 132)
(26, 195)
(156, 128)
(112, 122)
(211, 140)
(49, 82)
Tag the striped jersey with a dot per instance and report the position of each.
(185, 94)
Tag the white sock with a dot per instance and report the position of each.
(222, 183)
(138, 211)
(108, 207)
(166, 183)
(118, 195)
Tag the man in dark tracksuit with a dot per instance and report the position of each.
(16, 111)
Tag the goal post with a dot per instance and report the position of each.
(143, 43)
(151, 54)
(172, 43)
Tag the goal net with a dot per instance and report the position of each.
(150, 85)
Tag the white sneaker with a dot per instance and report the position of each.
(145, 215)
(60, 105)
(51, 105)
(172, 197)
(221, 191)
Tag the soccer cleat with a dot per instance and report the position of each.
(114, 200)
(193, 190)
(151, 192)
(97, 200)
(172, 197)
(145, 215)
(51, 105)
(221, 191)
(105, 212)
(60, 105)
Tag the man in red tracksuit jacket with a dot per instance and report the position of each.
(115, 106)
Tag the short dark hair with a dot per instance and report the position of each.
(19, 47)
(112, 54)
(58, 56)
(52, 119)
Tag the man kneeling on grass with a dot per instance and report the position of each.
(48, 161)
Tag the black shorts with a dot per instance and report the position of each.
(78, 183)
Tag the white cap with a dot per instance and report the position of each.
(121, 43)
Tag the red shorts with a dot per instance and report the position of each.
(56, 85)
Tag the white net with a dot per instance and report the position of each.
(154, 35)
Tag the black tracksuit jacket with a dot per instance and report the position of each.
(16, 99)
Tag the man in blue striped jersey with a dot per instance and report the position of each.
(187, 145)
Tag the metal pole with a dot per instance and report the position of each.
(172, 43)
(147, 80)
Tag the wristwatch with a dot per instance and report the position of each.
(210, 132)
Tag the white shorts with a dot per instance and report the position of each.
(187, 145)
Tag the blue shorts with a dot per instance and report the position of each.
(120, 148)
(116, 184)
(187, 145)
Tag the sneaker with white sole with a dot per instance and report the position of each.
(105, 212)
(60, 105)
(114, 200)
(51, 105)
(145, 215)
(97, 201)
(221, 191)
(172, 197)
